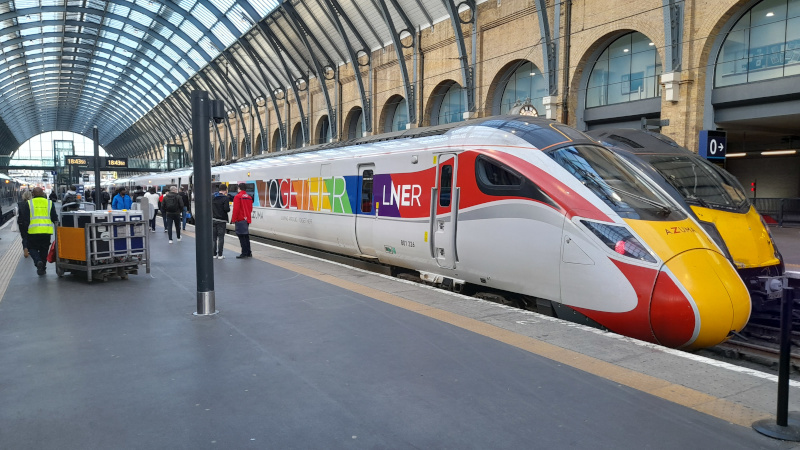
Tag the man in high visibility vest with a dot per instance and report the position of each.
(38, 216)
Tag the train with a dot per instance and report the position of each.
(717, 201)
(516, 207)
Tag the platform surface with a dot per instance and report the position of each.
(309, 354)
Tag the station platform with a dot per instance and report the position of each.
(306, 353)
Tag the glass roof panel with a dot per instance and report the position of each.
(101, 51)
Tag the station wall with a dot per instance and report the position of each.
(508, 31)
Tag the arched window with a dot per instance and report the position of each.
(222, 152)
(298, 136)
(324, 130)
(257, 148)
(276, 141)
(451, 108)
(627, 70)
(49, 149)
(356, 124)
(396, 115)
(764, 44)
(526, 82)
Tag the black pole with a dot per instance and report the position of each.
(98, 203)
(783, 368)
(780, 428)
(202, 182)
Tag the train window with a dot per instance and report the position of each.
(496, 179)
(494, 175)
(700, 182)
(615, 182)
(366, 191)
(446, 184)
(251, 189)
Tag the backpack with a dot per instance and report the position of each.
(172, 204)
(106, 197)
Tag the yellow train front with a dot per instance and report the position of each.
(717, 200)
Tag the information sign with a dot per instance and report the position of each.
(713, 144)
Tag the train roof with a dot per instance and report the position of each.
(536, 130)
(638, 142)
(540, 132)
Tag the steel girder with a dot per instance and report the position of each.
(549, 49)
(467, 73)
(258, 62)
(401, 60)
(277, 49)
(236, 107)
(301, 30)
(242, 74)
(335, 11)
(673, 31)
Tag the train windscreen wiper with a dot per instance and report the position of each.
(663, 209)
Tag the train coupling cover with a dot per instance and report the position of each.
(772, 287)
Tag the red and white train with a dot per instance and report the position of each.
(514, 205)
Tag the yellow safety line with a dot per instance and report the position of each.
(691, 398)
(8, 265)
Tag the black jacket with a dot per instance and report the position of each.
(186, 202)
(220, 207)
(180, 204)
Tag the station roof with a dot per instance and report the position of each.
(129, 66)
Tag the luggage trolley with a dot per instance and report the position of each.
(102, 244)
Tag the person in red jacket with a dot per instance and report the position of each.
(240, 217)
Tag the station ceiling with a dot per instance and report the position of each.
(129, 67)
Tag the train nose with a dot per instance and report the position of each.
(698, 299)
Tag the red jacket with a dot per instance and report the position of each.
(242, 207)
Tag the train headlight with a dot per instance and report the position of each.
(620, 240)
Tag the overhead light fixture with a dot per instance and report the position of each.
(625, 50)
(770, 14)
(735, 155)
(651, 44)
(779, 152)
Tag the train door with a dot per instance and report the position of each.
(367, 212)
(444, 211)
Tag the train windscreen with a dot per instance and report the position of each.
(615, 182)
(699, 182)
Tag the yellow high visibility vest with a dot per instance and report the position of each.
(40, 216)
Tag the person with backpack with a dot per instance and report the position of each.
(161, 207)
(105, 198)
(220, 207)
(70, 201)
(173, 207)
(187, 206)
(122, 200)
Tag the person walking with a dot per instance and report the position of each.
(122, 200)
(161, 207)
(53, 196)
(220, 206)
(152, 199)
(38, 217)
(187, 206)
(70, 200)
(242, 210)
(23, 230)
(173, 205)
(105, 197)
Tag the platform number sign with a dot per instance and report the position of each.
(713, 144)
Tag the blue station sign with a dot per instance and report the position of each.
(713, 144)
